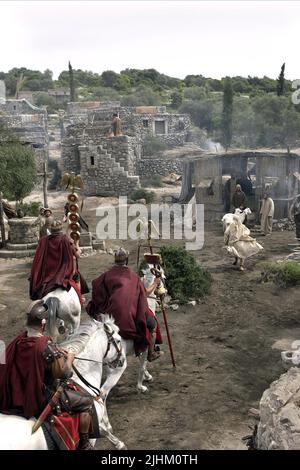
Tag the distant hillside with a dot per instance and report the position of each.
(259, 118)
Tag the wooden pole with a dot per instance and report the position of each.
(161, 298)
(2, 226)
(45, 185)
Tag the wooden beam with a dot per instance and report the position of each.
(2, 226)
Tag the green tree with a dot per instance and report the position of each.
(176, 99)
(109, 78)
(17, 170)
(43, 99)
(280, 81)
(71, 83)
(227, 113)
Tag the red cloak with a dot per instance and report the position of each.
(52, 266)
(22, 377)
(120, 293)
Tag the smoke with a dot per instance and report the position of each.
(212, 146)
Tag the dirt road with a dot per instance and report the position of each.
(227, 351)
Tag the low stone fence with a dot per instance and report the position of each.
(159, 166)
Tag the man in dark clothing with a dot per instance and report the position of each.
(294, 213)
(120, 293)
(239, 200)
(34, 368)
(55, 265)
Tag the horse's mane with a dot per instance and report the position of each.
(78, 340)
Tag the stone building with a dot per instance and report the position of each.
(112, 165)
(28, 123)
(59, 95)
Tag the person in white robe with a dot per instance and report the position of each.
(239, 243)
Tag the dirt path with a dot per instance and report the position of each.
(227, 350)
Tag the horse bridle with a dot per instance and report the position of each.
(111, 341)
(114, 364)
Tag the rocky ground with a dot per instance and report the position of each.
(227, 349)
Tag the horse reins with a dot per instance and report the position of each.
(111, 340)
(113, 364)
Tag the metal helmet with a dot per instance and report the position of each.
(37, 313)
(121, 256)
(56, 226)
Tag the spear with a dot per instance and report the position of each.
(160, 292)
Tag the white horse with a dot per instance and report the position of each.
(128, 345)
(228, 218)
(91, 342)
(64, 311)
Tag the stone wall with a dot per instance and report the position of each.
(175, 132)
(112, 165)
(21, 106)
(279, 426)
(103, 175)
(23, 231)
(28, 123)
(147, 167)
(79, 107)
(124, 151)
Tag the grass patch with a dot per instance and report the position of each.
(154, 181)
(149, 196)
(283, 274)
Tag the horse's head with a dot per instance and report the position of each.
(115, 355)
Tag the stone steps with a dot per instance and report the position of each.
(17, 253)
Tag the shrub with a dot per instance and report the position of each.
(185, 278)
(153, 146)
(154, 181)
(32, 209)
(284, 274)
(149, 196)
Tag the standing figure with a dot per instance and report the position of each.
(239, 243)
(116, 126)
(294, 213)
(267, 214)
(151, 283)
(239, 200)
(46, 219)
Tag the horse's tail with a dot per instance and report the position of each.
(53, 304)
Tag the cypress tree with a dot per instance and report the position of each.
(71, 83)
(227, 113)
(280, 81)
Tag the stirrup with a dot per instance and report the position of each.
(154, 355)
(84, 443)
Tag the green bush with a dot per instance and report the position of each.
(284, 274)
(185, 278)
(154, 181)
(149, 196)
(153, 146)
(32, 209)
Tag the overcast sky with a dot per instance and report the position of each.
(176, 38)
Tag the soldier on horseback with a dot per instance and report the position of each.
(56, 265)
(120, 293)
(38, 372)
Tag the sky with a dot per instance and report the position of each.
(178, 38)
